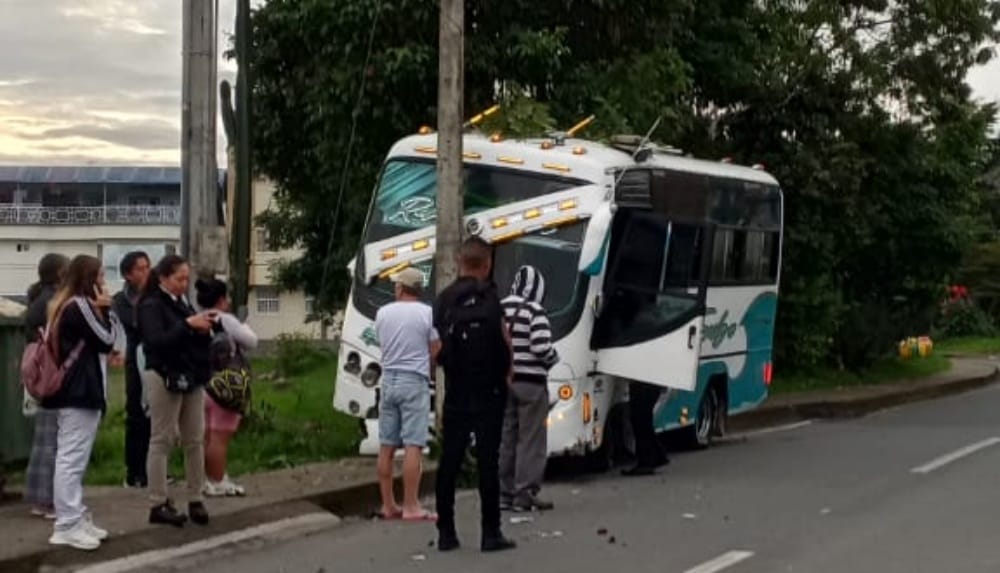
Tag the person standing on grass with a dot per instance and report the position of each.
(135, 267)
(476, 357)
(175, 346)
(409, 344)
(524, 448)
(80, 324)
(42, 463)
(220, 423)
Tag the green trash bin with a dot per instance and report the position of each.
(15, 429)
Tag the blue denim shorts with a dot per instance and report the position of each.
(404, 409)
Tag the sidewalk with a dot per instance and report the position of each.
(966, 373)
(343, 487)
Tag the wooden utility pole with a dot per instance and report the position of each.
(451, 80)
(202, 240)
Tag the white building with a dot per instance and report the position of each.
(273, 311)
(106, 212)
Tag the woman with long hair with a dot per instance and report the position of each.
(220, 423)
(80, 325)
(175, 344)
(42, 464)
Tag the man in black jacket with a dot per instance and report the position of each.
(476, 357)
(135, 270)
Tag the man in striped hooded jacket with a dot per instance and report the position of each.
(524, 450)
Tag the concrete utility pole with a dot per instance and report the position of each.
(202, 240)
(451, 86)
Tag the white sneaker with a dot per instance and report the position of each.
(77, 538)
(214, 489)
(92, 529)
(232, 488)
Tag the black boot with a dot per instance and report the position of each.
(496, 542)
(167, 514)
(198, 513)
(448, 540)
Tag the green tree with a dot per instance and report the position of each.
(858, 107)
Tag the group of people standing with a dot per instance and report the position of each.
(168, 362)
(496, 355)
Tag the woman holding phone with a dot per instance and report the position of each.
(80, 323)
(175, 344)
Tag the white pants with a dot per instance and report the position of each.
(77, 432)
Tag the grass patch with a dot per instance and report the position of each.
(886, 371)
(292, 422)
(970, 345)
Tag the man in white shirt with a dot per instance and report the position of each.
(409, 344)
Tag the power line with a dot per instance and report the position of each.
(350, 146)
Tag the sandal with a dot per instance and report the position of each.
(422, 516)
(387, 517)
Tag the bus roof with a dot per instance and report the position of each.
(593, 164)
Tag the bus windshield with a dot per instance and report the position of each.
(555, 253)
(407, 193)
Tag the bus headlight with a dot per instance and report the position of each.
(371, 375)
(353, 363)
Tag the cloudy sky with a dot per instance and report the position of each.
(98, 81)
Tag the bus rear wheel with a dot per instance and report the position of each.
(708, 423)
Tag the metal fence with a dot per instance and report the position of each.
(100, 215)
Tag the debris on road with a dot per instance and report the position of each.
(690, 516)
(574, 492)
(825, 511)
(612, 540)
(516, 520)
(419, 557)
(602, 531)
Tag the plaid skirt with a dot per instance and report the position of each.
(42, 465)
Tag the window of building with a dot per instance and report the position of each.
(263, 241)
(23, 247)
(310, 304)
(268, 300)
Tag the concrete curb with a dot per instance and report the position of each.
(354, 500)
(848, 406)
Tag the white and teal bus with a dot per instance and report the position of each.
(660, 268)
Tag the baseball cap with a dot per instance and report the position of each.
(410, 278)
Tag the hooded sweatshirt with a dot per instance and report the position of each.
(531, 335)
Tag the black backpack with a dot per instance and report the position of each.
(473, 341)
(229, 385)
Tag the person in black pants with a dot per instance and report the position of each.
(649, 453)
(476, 357)
(134, 269)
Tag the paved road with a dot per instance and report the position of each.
(825, 497)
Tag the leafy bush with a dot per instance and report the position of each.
(964, 317)
(296, 355)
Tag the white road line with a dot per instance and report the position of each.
(958, 454)
(724, 561)
(158, 556)
(785, 428)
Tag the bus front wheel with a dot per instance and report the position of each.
(618, 444)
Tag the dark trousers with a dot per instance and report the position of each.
(137, 427)
(641, 402)
(487, 426)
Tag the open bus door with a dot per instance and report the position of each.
(649, 326)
